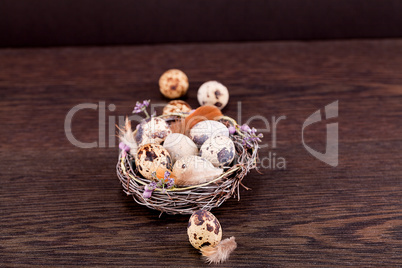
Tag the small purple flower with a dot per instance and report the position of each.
(148, 190)
(167, 174)
(250, 137)
(146, 103)
(147, 194)
(137, 110)
(245, 127)
(170, 183)
(124, 147)
(142, 107)
(166, 183)
(232, 130)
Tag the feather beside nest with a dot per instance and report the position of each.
(220, 252)
(127, 137)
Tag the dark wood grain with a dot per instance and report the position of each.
(63, 206)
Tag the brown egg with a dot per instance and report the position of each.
(204, 229)
(150, 157)
(173, 84)
(177, 106)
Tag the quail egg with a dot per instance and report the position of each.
(193, 170)
(153, 130)
(213, 93)
(150, 157)
(207, 129)
(219, 150)
(177, 106)
(179, 145)
(173, 84)
(204, 229)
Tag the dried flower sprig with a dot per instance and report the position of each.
(166, 183)
(250, 136)
(124, 147)
(142, 107)
(232, 130)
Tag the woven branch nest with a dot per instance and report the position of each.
(186, 200)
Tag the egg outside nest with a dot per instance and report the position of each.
(213, 93)
(205, 233)
(173, 84)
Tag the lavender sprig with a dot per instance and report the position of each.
(148, 189)
(142, 107)
(166, 183)
(250, 136)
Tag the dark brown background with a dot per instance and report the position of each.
(64, 206)
(108, 22)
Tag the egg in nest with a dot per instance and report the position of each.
(179, 145)
(207, 129)
(152, 130)
(150, 157)
(220, 151)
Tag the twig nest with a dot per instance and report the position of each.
(176, 106)
(179, 145)
(204, 229)
(219, 150)
(213, 93)
(150, 157)
(152, 130)
(207, 129)
(194, 170)
(173, 84)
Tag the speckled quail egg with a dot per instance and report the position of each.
(194, 170)
(150, 157)
(153, 130)
(204, 229)
(213, 93)
(177, 106)
(219, 150)
(179, 145)
(173, 84)
(207, 129)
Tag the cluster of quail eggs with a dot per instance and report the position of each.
(198, 156)
(193, 159)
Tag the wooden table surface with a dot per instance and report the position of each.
(62, 205)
